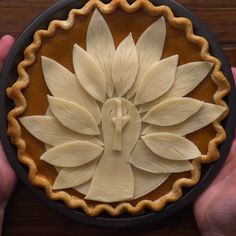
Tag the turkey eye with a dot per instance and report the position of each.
(110, 112)
(127, 111)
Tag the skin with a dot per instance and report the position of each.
(7, 175)
(215, 209)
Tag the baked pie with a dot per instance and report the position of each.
(111, 109)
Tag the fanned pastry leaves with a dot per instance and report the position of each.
(149, 47)
(63, 84)
(206, 115)
(73, 116)
(125, 66)
(89, 74)
(72, 154)
(188, 77)
(172, 112)
(100, 45)
(50, 131)
(145, 182)
(144, 159)
(71, 177)
(171, 146)
(157, 80)
(124, 172)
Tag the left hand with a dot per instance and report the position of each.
(7, 175)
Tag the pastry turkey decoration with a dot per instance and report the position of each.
(115, 130)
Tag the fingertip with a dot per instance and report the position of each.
(234, 72)
(8, 39)
(6, 44)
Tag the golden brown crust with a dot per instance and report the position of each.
(15, 93)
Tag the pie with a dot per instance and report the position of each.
(111, 109)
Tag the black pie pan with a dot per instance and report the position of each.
(9, 75)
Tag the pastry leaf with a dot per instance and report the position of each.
(71, 177)
(157, 80)
(188, 77)
(145, 182)
(83, 188)
(89, 74)
(149, 47)
(100, 46)
(73, 116)
(50, 131)
(206, 115)
(125, 66)
(63, 84)
(72, 154)
(171, 146)
(173, 111)
(144, 159)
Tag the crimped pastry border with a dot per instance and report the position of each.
(15, 93)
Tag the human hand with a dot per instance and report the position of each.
(215, 209)
(7, 175)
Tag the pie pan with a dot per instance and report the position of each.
(59, 11)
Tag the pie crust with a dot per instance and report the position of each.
(155, 201)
